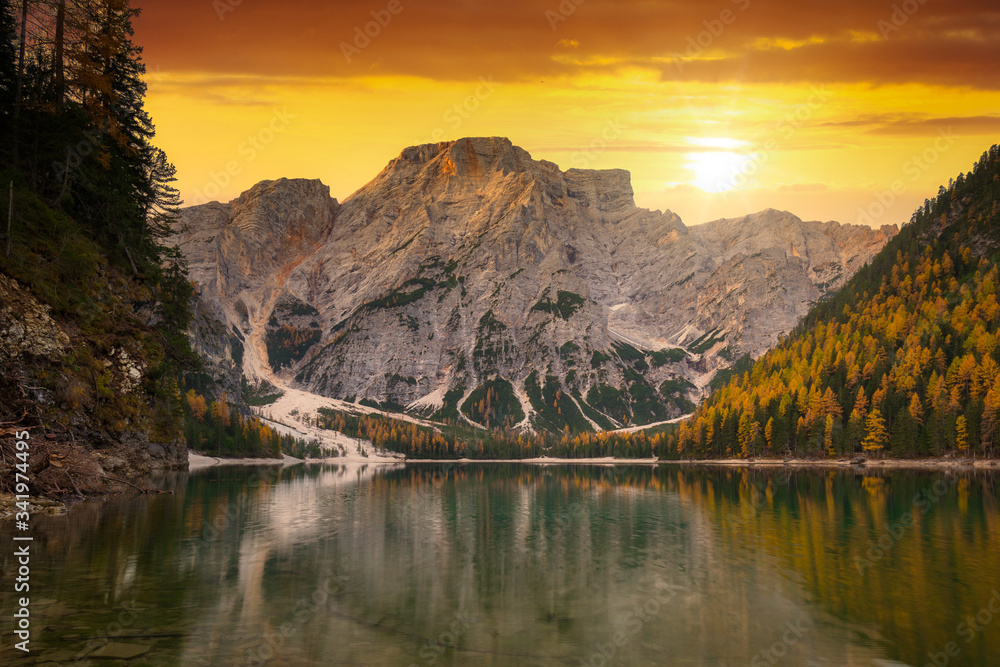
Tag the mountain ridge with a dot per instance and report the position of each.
(903, 359)
(468, 262)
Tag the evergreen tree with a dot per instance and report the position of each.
(93, 197)
(8, 61)
(876, 436)
(961, 434)
(828, 437)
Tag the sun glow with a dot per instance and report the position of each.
(716, 171)
(717, 142)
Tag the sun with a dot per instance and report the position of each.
(716, 171)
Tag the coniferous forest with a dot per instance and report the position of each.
(87, 199)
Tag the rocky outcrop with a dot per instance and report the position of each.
(26, 329)
(240, 256)
(468, 273)
(771, 266)
(53, 387)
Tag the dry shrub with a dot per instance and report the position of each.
(70, 468)
(73, 392)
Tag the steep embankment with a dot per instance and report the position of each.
(82, 359)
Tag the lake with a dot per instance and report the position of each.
(510, 564)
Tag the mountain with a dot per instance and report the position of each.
(902, 360)
(470, 281)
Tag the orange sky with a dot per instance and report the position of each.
(854, 110)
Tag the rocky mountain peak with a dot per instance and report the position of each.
(492, 170)
(776, 229)
(298, 207)
(471, 156)
(608, 190)
(468, 267)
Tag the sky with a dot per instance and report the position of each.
(853, 110)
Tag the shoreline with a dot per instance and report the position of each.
(913, 464)
(200, 462)
(939, 463)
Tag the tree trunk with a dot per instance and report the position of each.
(20, 59)
(20, 77)
(59, 47)
(10, 215)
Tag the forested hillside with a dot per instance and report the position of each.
(93, 304)
(902, 361)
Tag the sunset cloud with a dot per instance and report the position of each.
(712, 85)
(734, 40)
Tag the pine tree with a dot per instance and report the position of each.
(876, 435)
(828, 437)
(991, 410)
(8, 61)
(916, 409)
(961, 434)
(196, 404)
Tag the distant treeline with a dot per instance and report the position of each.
(218, 428)
(455, 440)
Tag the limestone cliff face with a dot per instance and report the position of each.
(240, 256)
(468, 266)
(770, 267)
